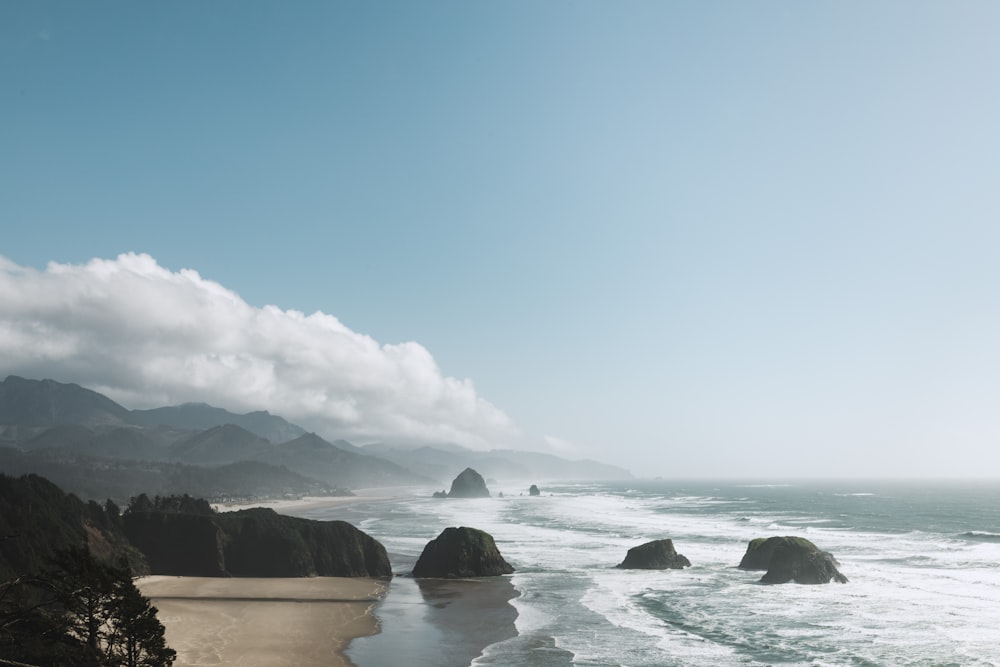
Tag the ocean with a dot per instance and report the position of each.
(922, 559)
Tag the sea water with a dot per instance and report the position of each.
(922, 559)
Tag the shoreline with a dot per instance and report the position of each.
(331, 621)
(440, 622)
(307, 503)
(264, 622)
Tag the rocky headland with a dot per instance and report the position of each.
(254, 542)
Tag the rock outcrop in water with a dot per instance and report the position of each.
(791, 559)
(469, 484)
(255, 542)
(533, 491)
(461, 552)
(655, 555)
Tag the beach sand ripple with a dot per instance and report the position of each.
(263, 622)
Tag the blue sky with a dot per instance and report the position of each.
(696, 238)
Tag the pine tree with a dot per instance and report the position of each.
(89, 614)
(137, 639)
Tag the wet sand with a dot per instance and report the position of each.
(438, 622)
(263, 622)
(312, 621)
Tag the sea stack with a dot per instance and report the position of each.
(791, 559)
(533, 491)
(459, 553)
(469, 484)
(655, 555)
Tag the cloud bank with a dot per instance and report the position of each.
(147, 336)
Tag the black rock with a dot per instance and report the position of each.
(469, 484)
(655, 555)
(459, 553)
(255, 542)
(791, 559)
(533, 491)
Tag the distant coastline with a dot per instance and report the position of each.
(304, 503)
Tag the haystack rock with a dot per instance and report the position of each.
(655, 555)
(791, 559)
(459, 553)
(533, 491)
(469, 484)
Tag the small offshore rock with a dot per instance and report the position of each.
(791, 558)
(459, 553)
(655, 555)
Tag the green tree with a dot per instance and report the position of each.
(81, 612)
(85, 590)
(137, 639)
(32, 625)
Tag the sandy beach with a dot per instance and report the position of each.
(312, 621)
(263, 622)
(298, 506)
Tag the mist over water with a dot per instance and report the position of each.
(923, 560)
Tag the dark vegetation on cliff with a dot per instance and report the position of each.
(121, 479)
(38, 520)
(186, 539)
(66, 591)
(66, 566)
(79, 611)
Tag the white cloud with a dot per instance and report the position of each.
(148, 336)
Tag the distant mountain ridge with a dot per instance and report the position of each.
(96, 447)
(201, 416)
(44, 403)
(80, 437)
(41, 404)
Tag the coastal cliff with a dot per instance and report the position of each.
(255, 542)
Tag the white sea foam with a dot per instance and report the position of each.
(915, 596)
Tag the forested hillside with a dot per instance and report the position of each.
(66, 590)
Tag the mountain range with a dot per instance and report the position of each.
(97, 448)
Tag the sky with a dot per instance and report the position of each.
(696, 239)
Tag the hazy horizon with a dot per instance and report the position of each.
(698, 240)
